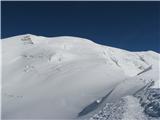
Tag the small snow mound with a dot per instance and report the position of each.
(61, 57)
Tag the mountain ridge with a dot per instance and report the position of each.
(50, 37)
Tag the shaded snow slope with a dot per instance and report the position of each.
(58, 77)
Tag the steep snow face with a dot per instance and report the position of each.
(58, 77)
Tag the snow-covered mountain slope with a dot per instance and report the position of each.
(56, 78)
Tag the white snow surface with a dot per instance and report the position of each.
(56, 77)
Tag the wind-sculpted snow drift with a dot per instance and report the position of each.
(59, 77)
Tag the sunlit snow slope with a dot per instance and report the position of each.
(56, 78)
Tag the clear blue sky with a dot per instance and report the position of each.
(132, 26)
